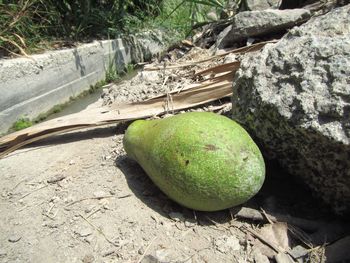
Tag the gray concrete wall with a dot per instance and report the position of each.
(30, 86)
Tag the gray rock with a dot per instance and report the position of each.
(294, 97)
(255, 23)
(254, 5)
(224, 244)
(89, 258)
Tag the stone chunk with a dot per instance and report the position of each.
(254, 5)
(255, 23)
(294, 97)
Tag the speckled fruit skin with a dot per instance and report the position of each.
(201, 160)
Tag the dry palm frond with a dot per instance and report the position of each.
(191, 96)
(242, 50)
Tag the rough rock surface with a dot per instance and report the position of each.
(254, 23)
(294, 97)
(253, 5)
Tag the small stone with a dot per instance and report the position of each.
(189, 223)
(225, 244)
(14, 238)
(141, 251)
(259, 257)
(88, 258)
(149, 259)
(2, 253)
(89, 209)
(176, 216)
(84, 232)
(299, 251)
(56, 178)
(71, 162)
(262, 4)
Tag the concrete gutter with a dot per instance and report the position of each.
(30, 86)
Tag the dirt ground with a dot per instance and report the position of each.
(78, 198)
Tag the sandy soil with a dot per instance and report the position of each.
(79, 198)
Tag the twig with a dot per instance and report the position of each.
(13, 188)
(48, 211)
(266, 216)
(124, 196)
(89, 198)
(217, 224)
(94, 212)
(241, 50)
(299, 234)
(96, 198)
(164, 82)
(146, 250)
(33, 192)
(98, 229)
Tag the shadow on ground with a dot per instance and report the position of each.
(152, 196)
(280, 194)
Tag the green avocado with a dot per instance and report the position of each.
(201, 160)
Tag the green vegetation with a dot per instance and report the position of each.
(28, 26)
(22, 123)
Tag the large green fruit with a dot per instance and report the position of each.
(201, 160)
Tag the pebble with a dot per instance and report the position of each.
(2, 253)
(56, 178)
(108, 157)
(88, 258)
(83, 232)
(190, 224)
(14, 238)
(176, 216)
(89, 209)
(224, 244)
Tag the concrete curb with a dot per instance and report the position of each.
(30, 86)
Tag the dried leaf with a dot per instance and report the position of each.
(197, 94)
(241, 50)
(277, 234)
